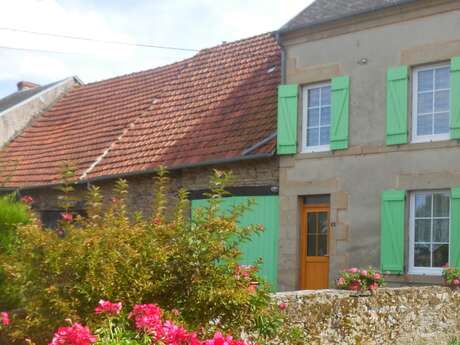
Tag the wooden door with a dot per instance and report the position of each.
(314, 247)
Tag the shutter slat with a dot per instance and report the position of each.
(392, 231)
(397, 107)
(340, 94)
(455, 228)
(455, 98)
(287, 119)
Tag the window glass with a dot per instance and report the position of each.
(317, 117)
(431, 103)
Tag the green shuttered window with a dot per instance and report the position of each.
(392, 231)
(455, 98)
(287, 119)
(397, 107)
(454, 260)
(340, 95)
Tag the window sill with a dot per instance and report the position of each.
(316, 149)
(430, 139)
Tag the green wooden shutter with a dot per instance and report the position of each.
(287, 119)
(392, 231)
(455, 228)
(340, 95)
(455, 98)
(397, 95)
(263, 245)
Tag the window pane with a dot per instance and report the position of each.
(313, 97)
(311, 245)
(440, 255)
(441, 205)
(313, 117)
(441, 123)
(442, 78)
(326, 95)
(425, 80)
(423, 205)
(313, 137)
(423, 230)
(441, 230)
(425, 125)
(325, 116)
(425, 103)
(324, 135)
(322, 245)
(422, 255)
(441, 101)
(311, 231)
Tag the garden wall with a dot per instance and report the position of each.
(410, 315)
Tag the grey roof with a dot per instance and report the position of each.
(322, 11)
(20, 96)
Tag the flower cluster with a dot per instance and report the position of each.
(75, 334)
(67, 217)
(248, 275)
(4, 318)
(451, 276)
(355, 279)
(27, 199)
(108, 307)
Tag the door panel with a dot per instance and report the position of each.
(314, 248)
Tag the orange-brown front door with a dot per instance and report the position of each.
(314, 248)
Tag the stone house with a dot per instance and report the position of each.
(368, 138)
(30, 100)
(215, 110)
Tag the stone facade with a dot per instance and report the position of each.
(402, 316)
(423, 33)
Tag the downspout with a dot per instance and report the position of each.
(283, 58)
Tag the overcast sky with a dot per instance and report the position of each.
(193, 24)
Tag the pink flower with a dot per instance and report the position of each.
(73, 335)
(353, 270)
(108, 307)
(456, 282)
(157, 221)
(355, 285)
(146, 317)
(67, 216)
(5, 318)
(27, 199)
(364, 272)
(373, 286)
(340, 282)
(377, 276)
(282, 306)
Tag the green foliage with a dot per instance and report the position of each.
(454, 341)
(172, 261)
(12, 213)
(451, 276)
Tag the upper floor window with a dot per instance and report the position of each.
(431, 103)
(316, 118)
(429, 232)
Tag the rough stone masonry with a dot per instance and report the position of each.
(410, 315)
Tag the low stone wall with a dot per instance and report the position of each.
(411, 315)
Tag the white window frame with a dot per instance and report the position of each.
(305, 148)
(435, 271)
(425, 138)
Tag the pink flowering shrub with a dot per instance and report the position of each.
(355, 279)
(108, 307)
(451, 276)
(76, 334)
(4, 319)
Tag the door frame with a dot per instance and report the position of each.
(303, 236)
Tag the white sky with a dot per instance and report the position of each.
(192, 24)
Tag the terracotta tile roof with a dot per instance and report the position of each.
(219, 104)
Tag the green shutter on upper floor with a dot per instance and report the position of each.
(454, 260)
(340, 104)
(287, 119)
(455, 98)
(262, 245)
(392, 231)
(397, 106)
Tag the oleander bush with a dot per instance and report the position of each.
(356, 279)
(189, 265)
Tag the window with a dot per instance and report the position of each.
(316, 118)
(429, 232)
(431, 103)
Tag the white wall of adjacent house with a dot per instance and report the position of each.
(18, 117)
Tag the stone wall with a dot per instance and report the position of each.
(400, 316)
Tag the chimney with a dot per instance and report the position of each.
(26, 85)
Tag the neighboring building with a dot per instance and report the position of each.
(215, 110)
(369, 129)
(21, 107)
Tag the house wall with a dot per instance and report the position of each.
(14, 120)
(424, 32)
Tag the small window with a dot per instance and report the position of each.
(429, 232)
(431, 103)
(316, 122)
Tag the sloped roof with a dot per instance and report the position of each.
(322, 11)
(218, 104)
(20, 96)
